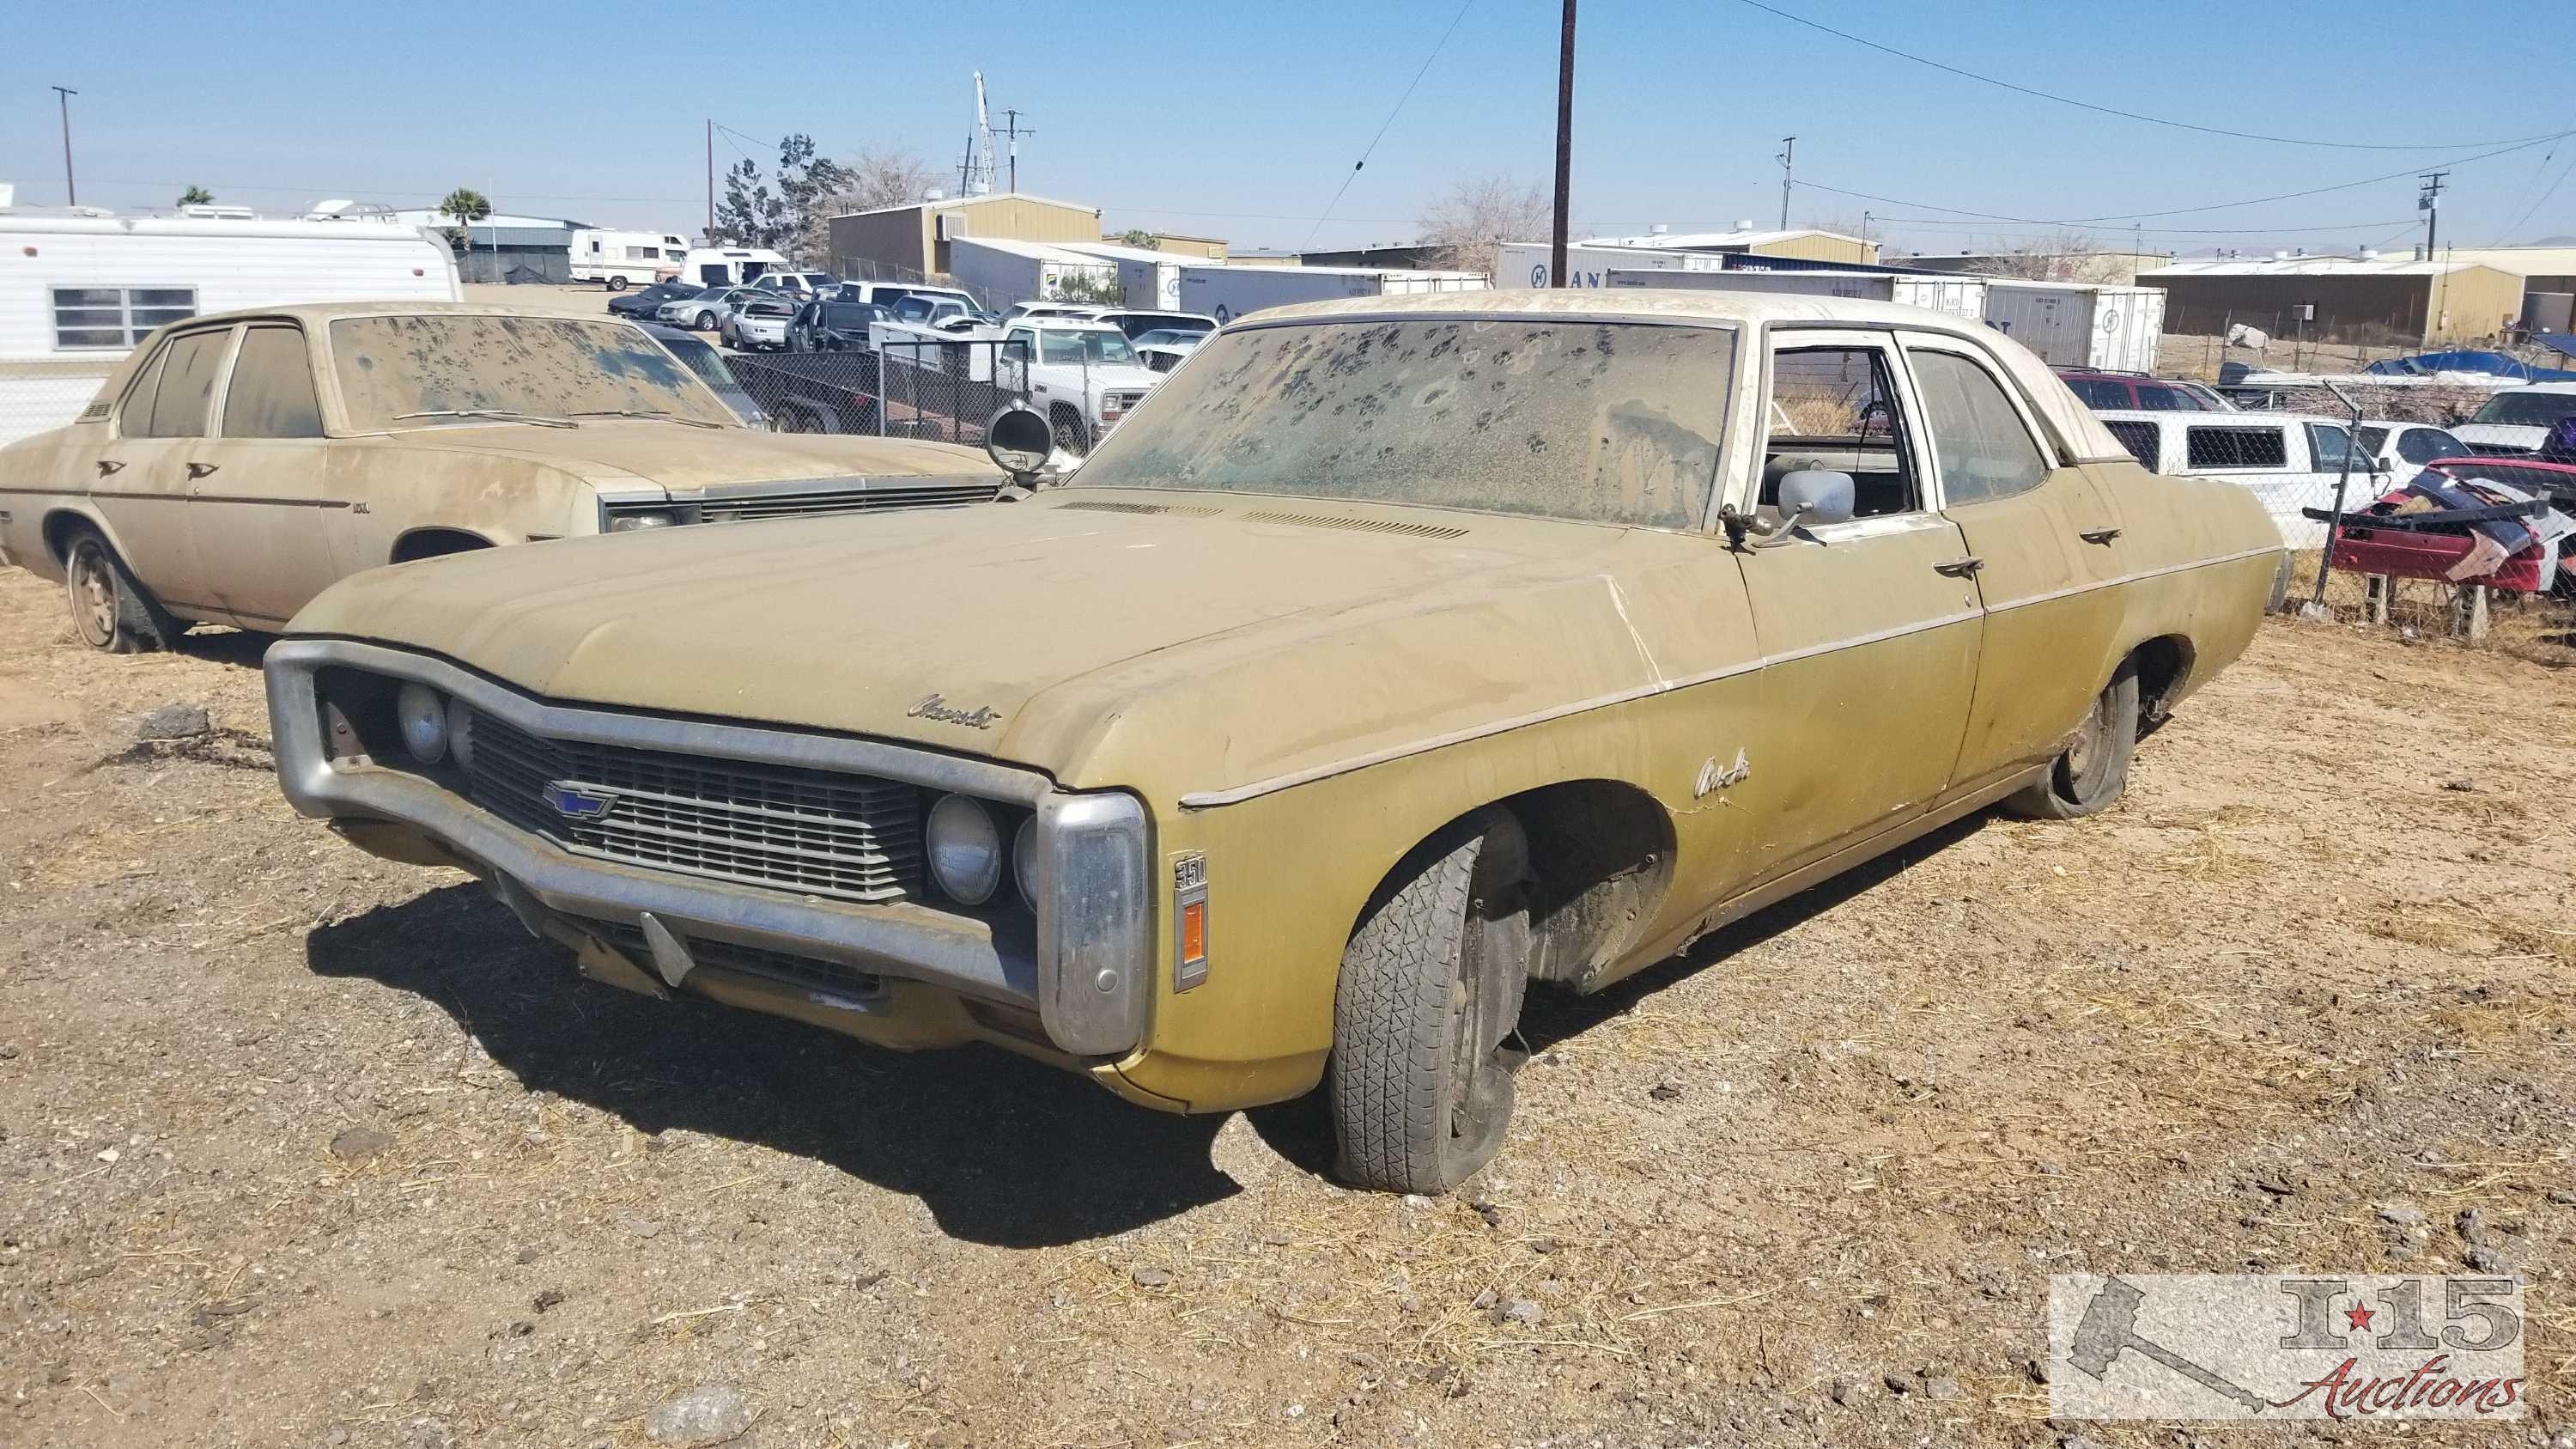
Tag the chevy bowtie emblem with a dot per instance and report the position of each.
(576, 802)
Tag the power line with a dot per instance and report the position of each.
(2111, 110)
(2123, 216)
(1969, 226)
(2530, 211)
(1390, 119)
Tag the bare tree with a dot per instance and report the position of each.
(873, 177)
(2063, 256)
(1470, 221)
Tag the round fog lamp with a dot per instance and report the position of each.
(460, 732)
(965, 850)
(1024, 861)
(423, 717)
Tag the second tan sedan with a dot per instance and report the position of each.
(238, 465)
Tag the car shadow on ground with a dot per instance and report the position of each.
(1301, 1131)
(1002, 1150)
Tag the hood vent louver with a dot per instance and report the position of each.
(1105, 505)
(1356, 525)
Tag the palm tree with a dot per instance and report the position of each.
(468, 206)
(196, 196)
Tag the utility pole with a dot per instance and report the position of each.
(1788, 159)
(1556, 269)
(71, 191)
(2430, 203)
(966, 168)
(1012, 129)
(711, 180)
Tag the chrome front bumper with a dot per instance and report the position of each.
(1083, 965)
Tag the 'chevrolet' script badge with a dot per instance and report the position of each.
(575, 802)
(982, 717)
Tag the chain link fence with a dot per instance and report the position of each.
(945, 391)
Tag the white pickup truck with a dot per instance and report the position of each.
(1082, 375)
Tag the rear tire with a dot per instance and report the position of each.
(2094, 769)
(1420, 1083)
(617, 284)
(110, 610)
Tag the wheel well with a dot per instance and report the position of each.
(2163, 664)
(61, 524)
(1600, 854)
(433, 542)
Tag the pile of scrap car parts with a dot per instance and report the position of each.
(2459, 528)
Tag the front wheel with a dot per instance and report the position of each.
(1431, 985)
(2094, 768)
(706, 322)
(617, 284)
(110, 610)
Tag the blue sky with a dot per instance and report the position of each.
(1200, 118)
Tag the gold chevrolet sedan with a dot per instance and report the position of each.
(1396, 654)
(238, 464)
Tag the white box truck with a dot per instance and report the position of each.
(1958, 296)
(1225, 292)
(2080, 324)
(730, 266)
(79, 288)
(624, 259)
(1525, 264)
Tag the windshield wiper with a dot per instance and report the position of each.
(637, 413)
(499, 414)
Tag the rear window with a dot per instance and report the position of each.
(2236, 448)
(2424, 445)
(2095, 393)
(2141, 439)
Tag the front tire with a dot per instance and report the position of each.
(2091, 773)
(110, 610)
(617, 284)
(1431, 984)
(706, 322)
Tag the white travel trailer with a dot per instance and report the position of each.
(79, 288)
(729, 266)
(626, 259)
(1958, 296)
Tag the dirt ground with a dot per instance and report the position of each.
(299, 1147)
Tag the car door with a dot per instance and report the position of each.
(143, 480)
(255, 503)
(2047, 552)
(1868, 628)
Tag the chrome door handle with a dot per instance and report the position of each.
(1960, 568)
(109, 465)
(2099, 535)
(200, 470)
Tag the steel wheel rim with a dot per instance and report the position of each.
(93, 590)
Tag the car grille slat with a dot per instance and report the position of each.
(755, 960)
(807, 831)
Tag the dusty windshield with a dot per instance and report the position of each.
(1606, 422)
(543, 366)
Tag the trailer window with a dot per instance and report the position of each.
(116, 317)
(271, 394)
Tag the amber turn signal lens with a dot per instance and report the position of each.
(1194, 931)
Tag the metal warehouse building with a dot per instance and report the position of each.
(2362, 300)
(910, 242)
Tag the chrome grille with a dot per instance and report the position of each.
(755, 960)
(848, 500)
(812, 832)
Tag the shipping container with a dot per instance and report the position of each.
(1001, 274)
(1957, 296)
(1226, 292)
(2080, 324)
(1525, 264)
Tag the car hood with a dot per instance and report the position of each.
(620, 452)
(1030, 632)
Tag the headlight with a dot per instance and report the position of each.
(1024, 861)
(460, 732)
(965, 850)
(629, 522)
(423, 717)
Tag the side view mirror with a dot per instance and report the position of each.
(1020, 441)
(1816, 495)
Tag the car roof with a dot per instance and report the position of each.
(2539, 387)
